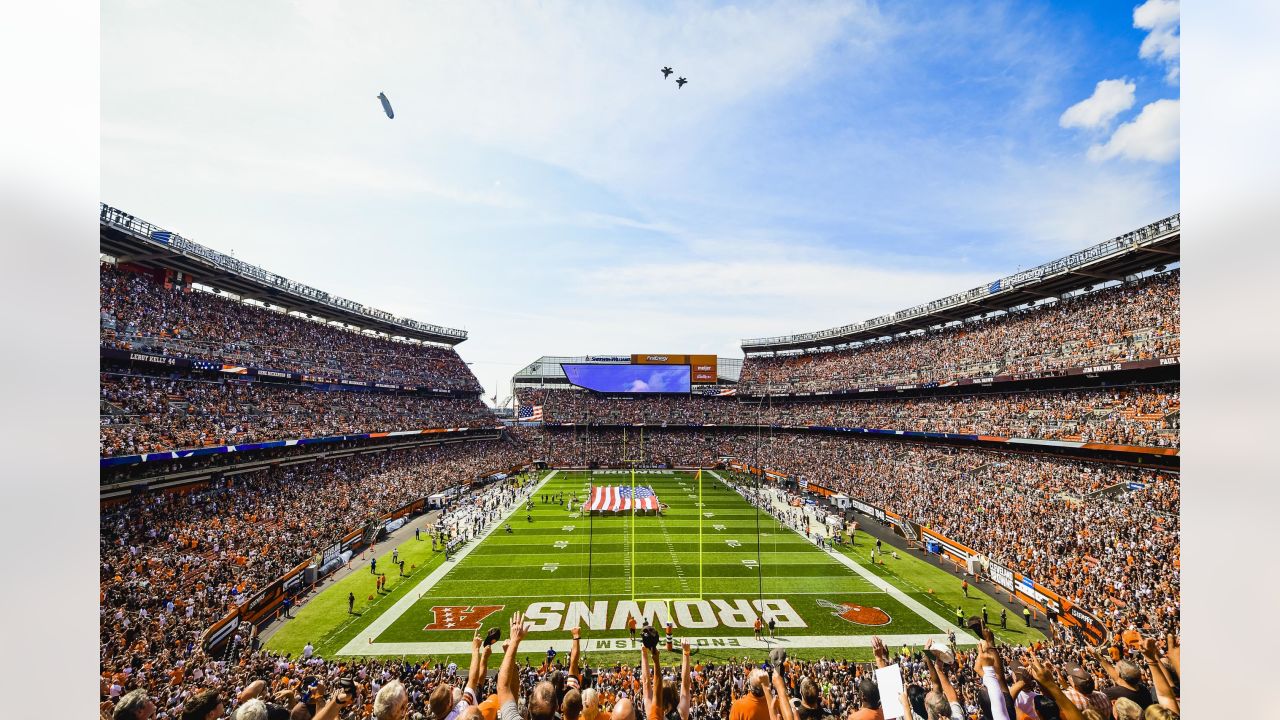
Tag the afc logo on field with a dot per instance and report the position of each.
(460, 617)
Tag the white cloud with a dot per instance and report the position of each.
(1109, 98)
(1163, 42)
(1156, 14)
(542, 187)
(1153, 135)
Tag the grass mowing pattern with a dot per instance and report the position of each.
(593, 561)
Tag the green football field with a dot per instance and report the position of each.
(710, 564)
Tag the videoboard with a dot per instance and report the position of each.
(628, 378)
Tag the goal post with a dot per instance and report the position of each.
(636, 525)
(666, 594)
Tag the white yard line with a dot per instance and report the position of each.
(384, 621)
(361, 645)
(932, 617)
(470, 581)
(745, 642)
(725, 559)
(600, 596)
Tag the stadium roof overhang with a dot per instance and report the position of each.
(133, 240)
(1135, 252)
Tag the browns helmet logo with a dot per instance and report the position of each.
(857, 614)
(460, 617)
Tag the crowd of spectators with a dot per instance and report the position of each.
(1074, 526)
(173, 563)
(939, 680)
(1131, 321)
(1142, 415)
(141, 414)
(140, 314)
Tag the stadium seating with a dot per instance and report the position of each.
(139, 313)
(172, 564)
(1117, 553)
(1134, 321)
(143, 414)
(1143, 415)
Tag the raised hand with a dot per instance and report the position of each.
(878, 647)
(576, 632)
(1149, 649)
(1041, 671)
(988, 635)
(518, 628)
(342, 697)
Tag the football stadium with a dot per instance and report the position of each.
(965, 504)
(810, 497)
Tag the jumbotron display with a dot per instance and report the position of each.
(629, 378)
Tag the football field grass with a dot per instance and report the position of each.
(710, 563)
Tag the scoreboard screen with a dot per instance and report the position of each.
(629, 378)
(702, 368)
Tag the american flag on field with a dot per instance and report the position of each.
(529, 413)
(613, 498)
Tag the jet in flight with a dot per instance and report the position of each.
(680, 82)
(666, 71)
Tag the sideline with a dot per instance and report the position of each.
(385, 620)
(743, 642)
(962, 635)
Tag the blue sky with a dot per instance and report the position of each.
(545, 188)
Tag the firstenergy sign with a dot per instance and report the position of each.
(603, 615)
(702, 368)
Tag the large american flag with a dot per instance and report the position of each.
(530, 413)
(613, 498)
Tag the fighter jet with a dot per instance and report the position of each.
(386, 105)
(680, 82)
(666, 72)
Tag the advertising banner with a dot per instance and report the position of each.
(247, 447)
(1001, 575)
(959, 553)
(330, 553)
(703, 368)
(216, 637)
(868, 510)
